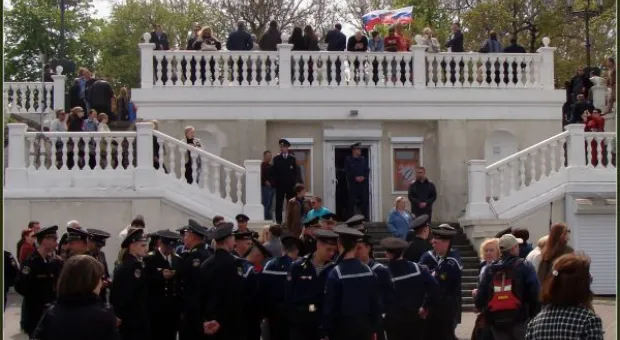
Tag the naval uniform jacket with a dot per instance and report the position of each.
(305, 291)
(100, 256)
(220, 296)
(284, 172)
(128, 297)
(189, 280)
(447, 271)
(163, 293)
(416, 249)
(36, 282)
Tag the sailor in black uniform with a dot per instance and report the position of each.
(96, 241)
(352, 309)
(189, 277)
(357, 172)
(416, 290)
(307, 236)
(446, 268)
(128, 295)
(305, 287)
(77, 240)
(418, 239)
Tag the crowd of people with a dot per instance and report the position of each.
(230, 282)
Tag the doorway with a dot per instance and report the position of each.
(342, 195)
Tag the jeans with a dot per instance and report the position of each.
(267, 200)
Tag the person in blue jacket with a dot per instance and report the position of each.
(305, 287)
(352, 307)
(446, 268)
(415, 292)
(272, 284)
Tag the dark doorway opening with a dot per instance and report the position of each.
(342, 195)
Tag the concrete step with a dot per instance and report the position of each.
(469, 285)
(467, 307)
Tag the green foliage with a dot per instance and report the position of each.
(119, 57)
(32, 28)
(427, 13)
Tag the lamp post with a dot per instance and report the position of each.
(587, 13)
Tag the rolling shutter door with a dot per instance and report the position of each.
(596, 237)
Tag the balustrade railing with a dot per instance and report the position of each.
(148, 157)
(506, 179)
(286, 68)
(34, 97)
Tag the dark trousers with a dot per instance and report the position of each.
(401, 326)
(358, 197)
(442, 322)
(278, 327)
(164, 324)
(305, 333)
(353, 329)
(267, 200)
(281, 193)
(191, 328)
(417, 212)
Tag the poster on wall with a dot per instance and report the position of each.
(405, 163)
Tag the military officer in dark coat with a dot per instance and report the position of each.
(36, 281)
(418, 239)
(222, 305)
(272, 285)
(415, 291)
(97, 239)
(10, 273)
(77, 241)
(129, 292)
(285, 173)
(352, 309)
(357, 172)
(243, 243)
(188, 273)
(305, 287)
(307, 237)
(445, 266)
(357, 222)
(161, 267)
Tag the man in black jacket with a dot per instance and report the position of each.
(99, 95)
(455, 43)
(160, 39)
(271, 39)
(422, 194)
(335, 39)
(285, 174)
(239, 40)
(514, 47)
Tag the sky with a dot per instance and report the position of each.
(103, 8)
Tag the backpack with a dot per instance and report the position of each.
(503, 308)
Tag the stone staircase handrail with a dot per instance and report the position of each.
(526, 151)
(201, 152)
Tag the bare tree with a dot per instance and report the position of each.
(258, 13)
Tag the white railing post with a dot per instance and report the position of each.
(146, 62)
(59, 89)
(145, 171)
(285, 64)
(16, 173)
(546, 71)
(576, 146)
(419, 66)
(599, 90)
(477, 206)
(253, 206)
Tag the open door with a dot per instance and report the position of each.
(329, 177)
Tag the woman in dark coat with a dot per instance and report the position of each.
(79, 313)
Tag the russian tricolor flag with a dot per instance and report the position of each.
(388, 17)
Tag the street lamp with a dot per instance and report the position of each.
(587, 13)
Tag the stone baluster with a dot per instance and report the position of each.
(477, 205)
(145, 172)
(217, 185)
(227, 183)
(239, 176)
(253, 206)
(16, 172)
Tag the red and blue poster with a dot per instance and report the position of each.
(402, 16)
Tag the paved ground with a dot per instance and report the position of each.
(605, 308)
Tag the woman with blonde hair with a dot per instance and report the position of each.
(568, 313)
(399, 219)
(489, 253)
(122, 104)
(556, 246)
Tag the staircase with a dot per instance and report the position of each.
(469, 257)
(130, 164)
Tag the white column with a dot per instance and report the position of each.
(477, 206)
(599, 90)
(145, 172)
(546, 74)
(146, 62)
(576, 146)
(16, 173)
(419, 66)
(59, 89)
(285, 65)
(253, 206)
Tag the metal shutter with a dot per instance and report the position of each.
(596, 236)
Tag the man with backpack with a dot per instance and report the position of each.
(508, 292)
